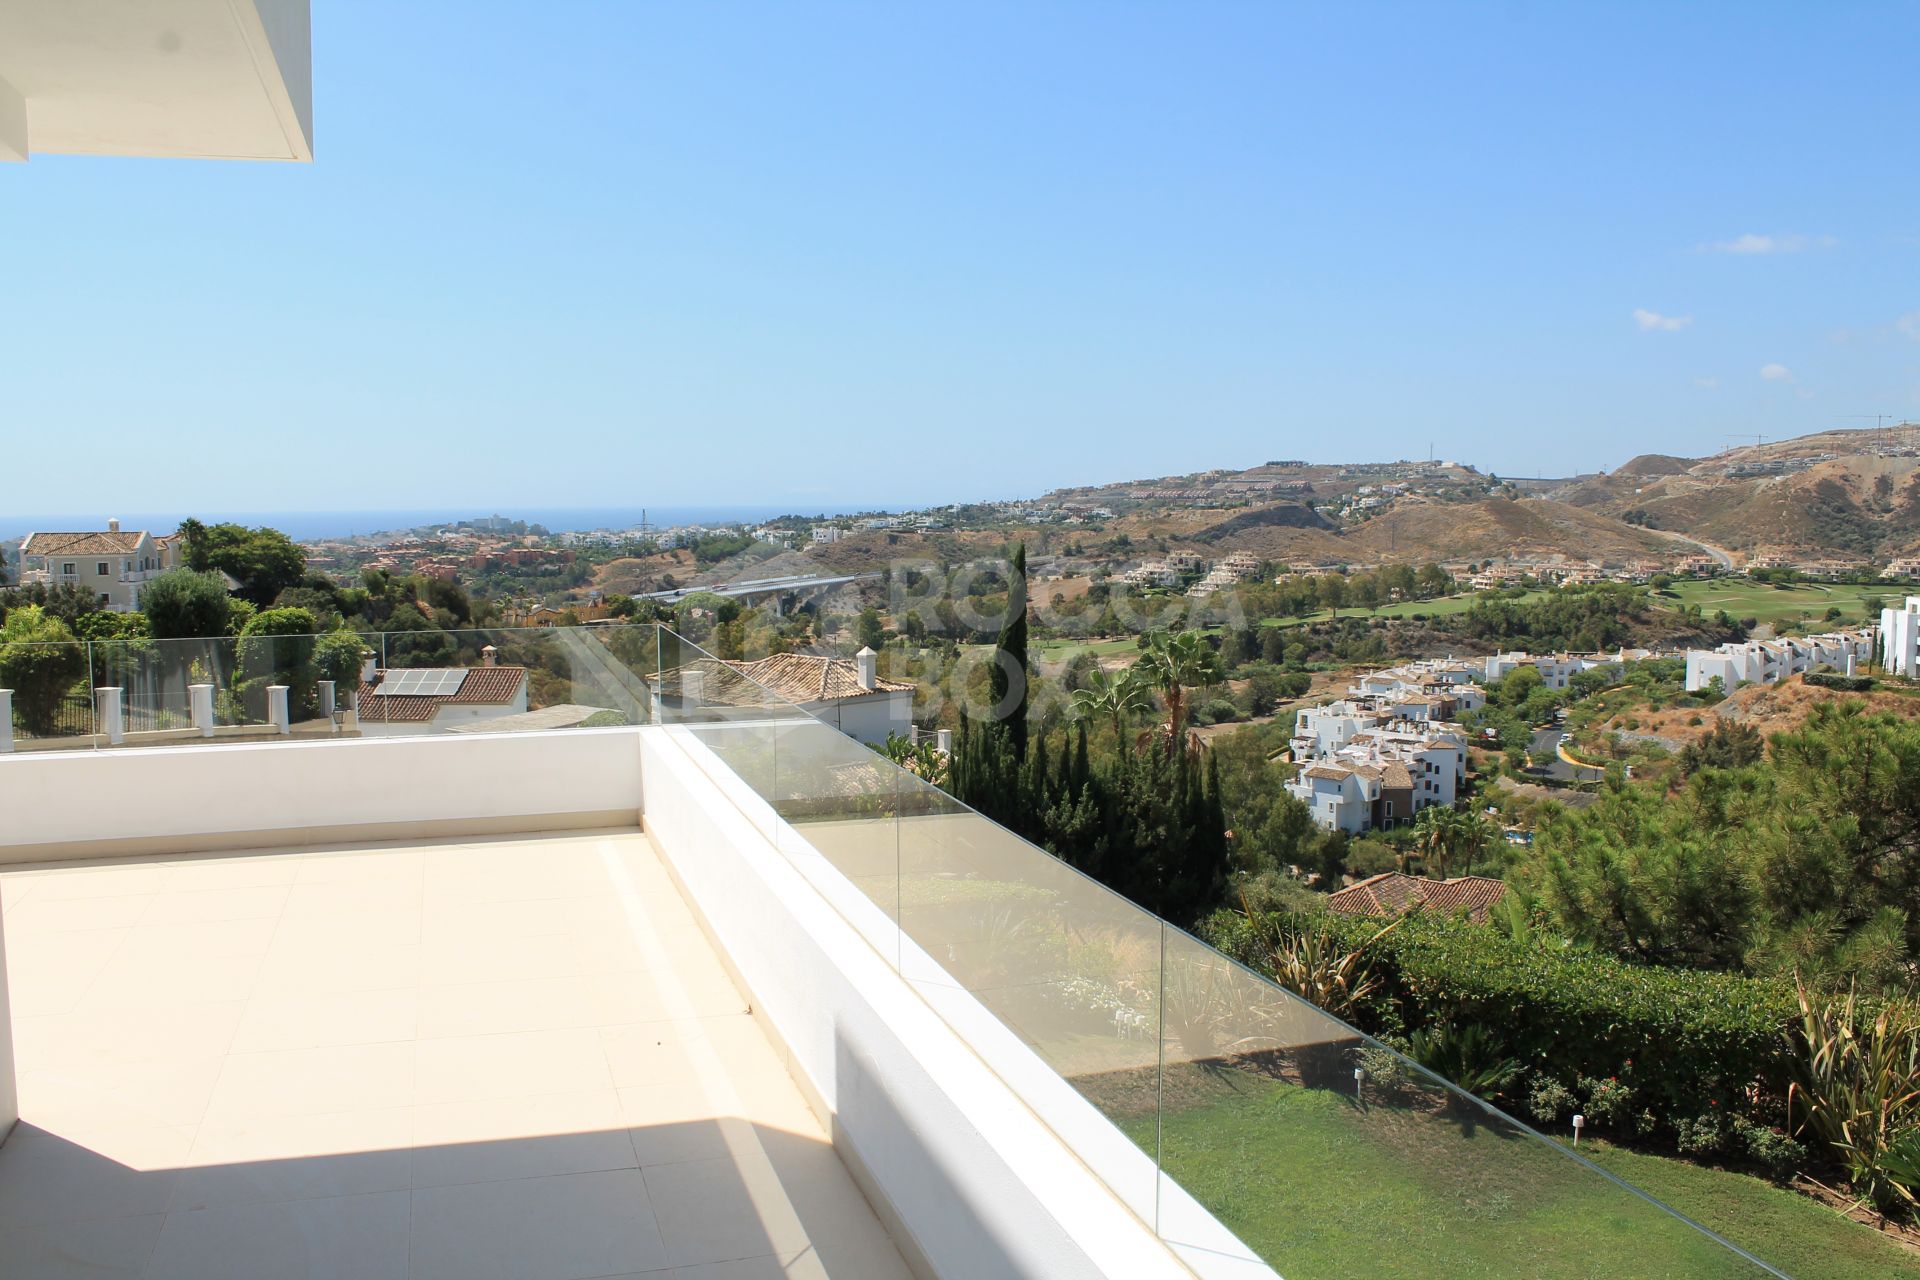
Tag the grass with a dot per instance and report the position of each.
(1744, 599)
(1794, 1233)
(1322, 1189)
(1439, 606)
(1067, 647)
(1739, 597)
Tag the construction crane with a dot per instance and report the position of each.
(1878, 418)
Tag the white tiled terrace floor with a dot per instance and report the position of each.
(514, 1058)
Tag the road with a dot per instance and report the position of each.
(1724, 556)
(1546, 746)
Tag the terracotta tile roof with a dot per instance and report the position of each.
(1333, 772)
(1391, 892)
(1395, 774)
(490, 686)
(720, 682)
(81, 544)
(808, 677)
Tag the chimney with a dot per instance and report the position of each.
(113, 524)
(489, 656)
(868, 663)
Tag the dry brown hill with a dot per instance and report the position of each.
(1848, 495)
(1418, 529)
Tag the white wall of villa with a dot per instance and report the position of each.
(1900, 638)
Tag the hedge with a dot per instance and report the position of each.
(1834, 680)
(1687, 1042)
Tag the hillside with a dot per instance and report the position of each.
(1847, 495)
(1850, 496)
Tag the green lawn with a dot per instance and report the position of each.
(1794, 1233)
(1325, 1190)
(1744, 599)
(1069, 648)
(1434, 608)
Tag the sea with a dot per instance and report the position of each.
(307, 526)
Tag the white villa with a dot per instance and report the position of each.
(1384, 777)
(110, 564)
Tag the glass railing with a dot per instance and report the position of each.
(147, 692)
(1235, 1118)
(1240, 1121)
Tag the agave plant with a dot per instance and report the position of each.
(1311, 961)
(1856, 1091)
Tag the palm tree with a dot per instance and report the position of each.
(1436, 832)
(1113, 696)
(1172, 663)
(1443, 834)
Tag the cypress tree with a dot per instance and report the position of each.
(1010, 657)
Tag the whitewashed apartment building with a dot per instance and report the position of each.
(1390, 748)
(1900, 638)
(1771, 661)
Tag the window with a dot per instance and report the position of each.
(101, 569)
(67, 568)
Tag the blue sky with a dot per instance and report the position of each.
(625, 253)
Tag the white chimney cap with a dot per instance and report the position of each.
(866, 652)
(113, 524)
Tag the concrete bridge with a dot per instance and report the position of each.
(781, 589)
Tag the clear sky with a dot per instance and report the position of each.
(619, 253)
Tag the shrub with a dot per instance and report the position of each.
(1677, 1038)
(1609, 1103)
(1833, 680)
(41, 663)
(1769, 1148)
(1701, 1135)
(183, 603)
(277, 647)
(337, 657)
(1549, 1101)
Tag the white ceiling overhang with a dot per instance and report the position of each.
(216, 79)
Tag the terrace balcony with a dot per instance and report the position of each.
(701, 987)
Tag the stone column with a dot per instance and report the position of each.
(326, 697)
(113, 713)
(200, 702)
(277, 708)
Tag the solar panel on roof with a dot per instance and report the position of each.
(438, 682)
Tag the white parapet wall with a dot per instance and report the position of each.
(969, 1177)
(58, 805)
